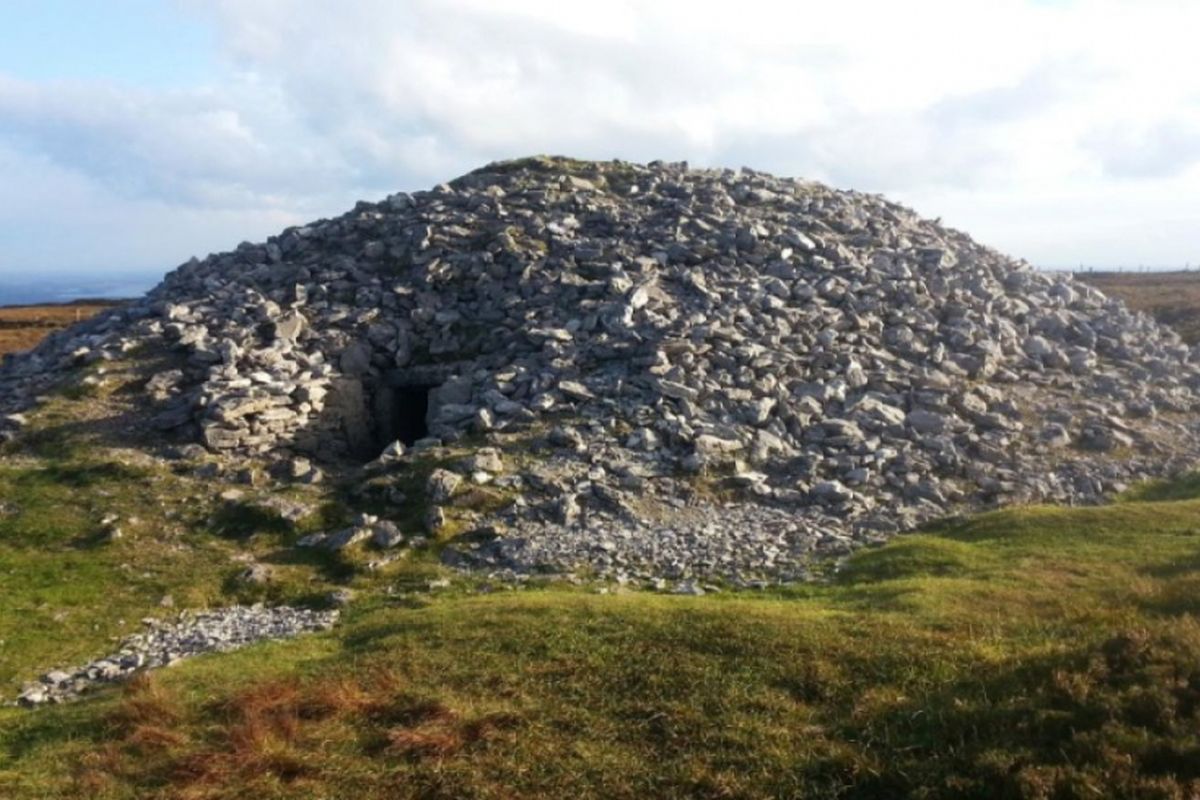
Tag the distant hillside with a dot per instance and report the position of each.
(21, 327)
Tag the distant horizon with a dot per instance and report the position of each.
(67, 287)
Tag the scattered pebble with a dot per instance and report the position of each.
(166, 642)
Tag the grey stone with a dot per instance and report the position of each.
(392, 453)
(257, 574)
(385, 534)
(832, 492)
(923, 421)
(288, 327)
(355, 360)
(441, 485)
(566, 509)
(289, 510)
(575, 390)
(346, 537)
(485, 459)
(341, 597)
(1055, 435)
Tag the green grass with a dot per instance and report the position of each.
(1182, 489)
(1026, 653)
(68, 591)
(1032, 653)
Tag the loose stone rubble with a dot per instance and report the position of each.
(744, 544)
(164, 643)
(664, 339)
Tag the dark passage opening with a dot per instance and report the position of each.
(409, 407)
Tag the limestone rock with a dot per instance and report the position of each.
(385, 535)
(441, 485)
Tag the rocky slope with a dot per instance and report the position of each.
(680, 373)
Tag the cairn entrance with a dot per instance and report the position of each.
(400, 411)
(410, 409)
(405, 400)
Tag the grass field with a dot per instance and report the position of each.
(1172, 298)
(21, 327)
(1027, 653)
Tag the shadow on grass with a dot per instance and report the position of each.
(1184, 488)
(243, 520)
(72, 440)
(1173, 602)
(1118, 714)
(330, 565)
(79, 476)
(1176, 568)
(68, 431)
(366, 638)
(1176, 590)
(30, 729)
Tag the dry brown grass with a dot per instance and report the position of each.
(146, 704)
(22, 327)
(1172, 298)
(271, 735)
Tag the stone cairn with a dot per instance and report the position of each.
(844, 367)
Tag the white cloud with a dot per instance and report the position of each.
(56, 219)
(1160, 149)
(978, 110)
(201, 147)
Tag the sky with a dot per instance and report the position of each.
(135, 134)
